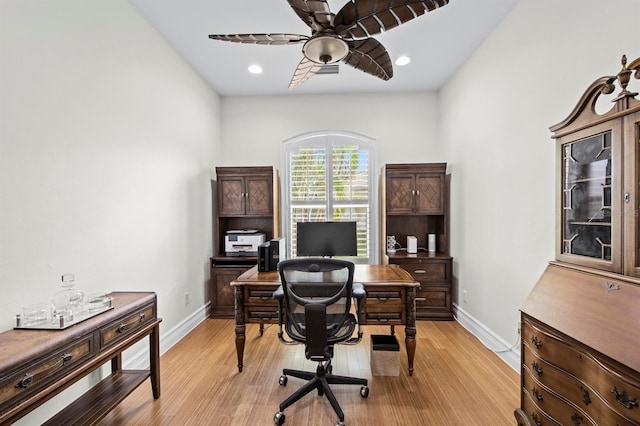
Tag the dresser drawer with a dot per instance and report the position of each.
(124, 327)
(547, 345)
(546, 401)
(19, 384)
(577, 391)
(426, 270)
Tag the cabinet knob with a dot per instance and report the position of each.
(121, 328)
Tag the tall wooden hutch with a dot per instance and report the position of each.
(247, 198)
(414, 203)
(581, 322)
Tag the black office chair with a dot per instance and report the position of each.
(315, 297)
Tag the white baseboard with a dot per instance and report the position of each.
(489, 338)
(141, 359)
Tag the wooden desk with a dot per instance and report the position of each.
(390, 300)
(35, 365)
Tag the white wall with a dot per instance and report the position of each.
(495, 114)
(107, 145)
(404, 125)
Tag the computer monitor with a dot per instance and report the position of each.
(326, 239)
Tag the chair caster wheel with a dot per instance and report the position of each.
(339, 423)
(283, 381)
(364, 391)
(279, 418)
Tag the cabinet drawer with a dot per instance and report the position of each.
(126, 326)
(19, 384)
(551, 405)
(433, 297)
(427, 270)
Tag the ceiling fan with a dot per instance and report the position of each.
(345, 36)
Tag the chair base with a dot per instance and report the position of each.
(321, 380)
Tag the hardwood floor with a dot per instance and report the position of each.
(457, 381)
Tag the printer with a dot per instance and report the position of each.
(243, 242)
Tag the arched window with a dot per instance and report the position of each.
(330, 176)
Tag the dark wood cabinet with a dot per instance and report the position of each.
(415, 193)
(415, 204)
(244, 192)
(247, 198)
(580, 323)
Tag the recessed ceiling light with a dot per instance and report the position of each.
(403, 60)
(255, 69)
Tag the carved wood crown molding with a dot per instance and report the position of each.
(584, 111)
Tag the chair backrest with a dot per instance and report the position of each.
(317, 297)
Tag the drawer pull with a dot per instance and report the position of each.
(25, 382)
(66, 358)
(419, 271)
(535, 419)
(537, 394)
(121, 328)
(536, 367)
(577, 419)
(141, 317)
(536, 342)
(623, 399)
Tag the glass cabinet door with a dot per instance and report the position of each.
(587, 197)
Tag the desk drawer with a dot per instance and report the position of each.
(426, 270)
(385, 296)
(17, 385)
(124, 327)
(260, 295)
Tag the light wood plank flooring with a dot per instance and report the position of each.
(457, 381)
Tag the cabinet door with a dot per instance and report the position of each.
(231, 199)
(400, 193)
(429, 194)
(631, 196)
(590, 198)
(258, 200)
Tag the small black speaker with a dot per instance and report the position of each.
(264, 257)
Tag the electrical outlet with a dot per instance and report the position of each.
(519, 327)
(464, 296)
(68, 278)
(186, 299)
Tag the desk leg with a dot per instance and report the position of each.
(240, 327)
(154, 361)
(410, 330)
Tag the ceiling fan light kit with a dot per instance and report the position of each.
(325, 49)
(344, 36)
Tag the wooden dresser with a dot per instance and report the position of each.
(580, 349)
(36, 365)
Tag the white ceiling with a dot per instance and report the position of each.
(438, 43)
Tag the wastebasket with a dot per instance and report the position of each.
(385, 355)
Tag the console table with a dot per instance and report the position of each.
(36, 365)
(390, 300)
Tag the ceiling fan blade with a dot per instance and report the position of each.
(314, 13)
(371, 57)
(270, 39)
(306, 69)
(364, 18)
